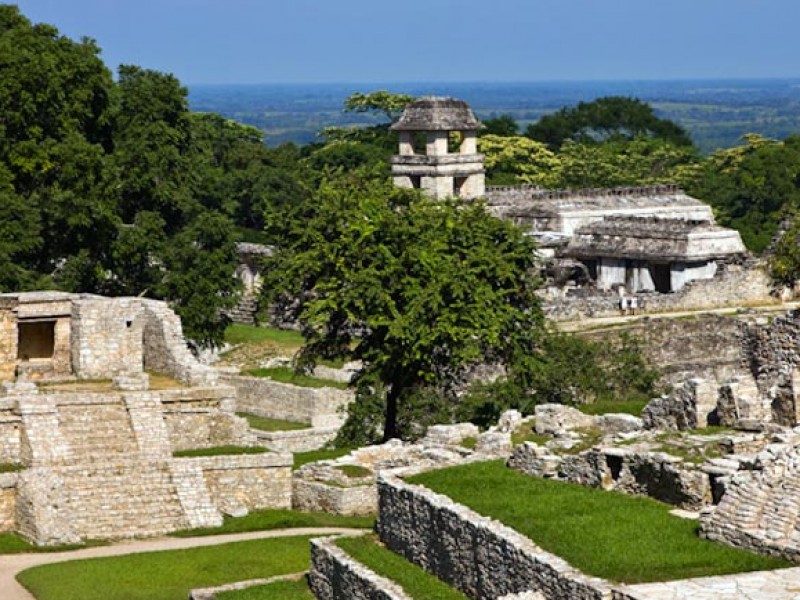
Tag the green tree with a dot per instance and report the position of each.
(751, 187)
(199, 277)
(417, 290)
(609, 118)
(504, 125)
(57, 99)
(19, 237)
(641, 161)
(152, 147)
(515, 159)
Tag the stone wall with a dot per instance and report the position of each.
(8, 339)
(771, 350)
(704, 345)
(204, 418)
(10, 424)
(165, 349)
(479, 556)
(297, 440)
(321, 407)
(654, 474)
(732, 286)
(247, 481)
(335, 575)
(106, 336)
(8, 501)
(760, 510)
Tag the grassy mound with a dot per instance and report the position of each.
(287, 375)
(262, 520)
(267, 424)
(606, 534)
(220, 451)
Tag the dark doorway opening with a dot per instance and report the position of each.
(661, 277)
(36, 339)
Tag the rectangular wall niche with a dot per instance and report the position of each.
(36, 339)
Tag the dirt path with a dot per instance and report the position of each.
(11, 564)
(603, 322)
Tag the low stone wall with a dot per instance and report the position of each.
(479, 556)
(732, 286)
(203, 418)
(335, 575)
(298, 440)
(247, 481)
(8, 501)
(655, 474)
(321, 407)
(317, 496)
(211, 593)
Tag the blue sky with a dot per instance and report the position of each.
(315, 41)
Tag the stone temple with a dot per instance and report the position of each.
(652, 239)
(98, 395)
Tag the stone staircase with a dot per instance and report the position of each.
(761, 510)
(96, 432)
(121, 499)
(106, 471)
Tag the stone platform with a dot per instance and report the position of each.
(761, 585)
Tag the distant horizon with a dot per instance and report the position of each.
(500, 82)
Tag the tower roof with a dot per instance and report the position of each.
(435, 113)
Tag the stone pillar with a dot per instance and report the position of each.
(469, 143)
(474, 187)
(406, 144)
(8, 344)
(438, 187)
(610, 271)
(645, 279)
(437, 143)
(677, 276)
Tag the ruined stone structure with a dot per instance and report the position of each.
(764, 390)
(652, 254)
(761, 506)
(651, 239)
(428, 159)
(56, 336)
(249, 272)
(94, 445)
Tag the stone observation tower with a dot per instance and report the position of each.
(438, 149)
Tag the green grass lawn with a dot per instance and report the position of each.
(416, 582)
(287, 375)
(262, 520)
(630, 407)
(302, 458)
(606, 534)
(242, 334)
(267, 424)
(220, 451)
(167, 575)
(280, 590)
(11, 543)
